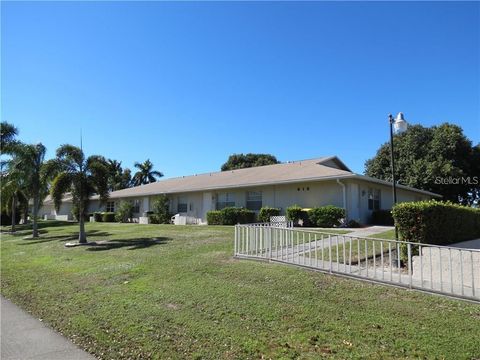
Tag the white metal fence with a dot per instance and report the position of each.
(440, 269)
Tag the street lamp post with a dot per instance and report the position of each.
(397, 126)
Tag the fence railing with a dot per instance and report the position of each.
(433, 268)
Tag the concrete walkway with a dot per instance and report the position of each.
(24, 337)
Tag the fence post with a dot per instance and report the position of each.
(235, 242)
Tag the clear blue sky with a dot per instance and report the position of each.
(187, 84)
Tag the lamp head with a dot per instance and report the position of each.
(400, 125)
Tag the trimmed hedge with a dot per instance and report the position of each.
(326, 216)
(295, 213)
(230, 216)
(108, 217)
(214, 217)
(97, 216)
(436, 222)
(382, 217)
(266, 213)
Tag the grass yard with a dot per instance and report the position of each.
(162, 291)
(358, 249)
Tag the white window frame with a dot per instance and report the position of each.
(110, 206)
(226, 199)
(374, 199)
(136, 205)
(182, 205)
(254, 200)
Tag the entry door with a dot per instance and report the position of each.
(207, 204)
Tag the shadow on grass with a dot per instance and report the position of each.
(131, 244)
(72, 236)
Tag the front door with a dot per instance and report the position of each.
(206, 205)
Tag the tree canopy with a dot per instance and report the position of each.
(145, 173)
(83, 178)
(240, 161)
(439, 159)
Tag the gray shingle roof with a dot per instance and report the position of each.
(296, 171)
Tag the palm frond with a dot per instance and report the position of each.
(61, 184)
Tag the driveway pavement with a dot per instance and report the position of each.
(23, 338)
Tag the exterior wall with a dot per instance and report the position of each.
(358, 200)
(305, 194)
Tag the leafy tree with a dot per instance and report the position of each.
(437, 159)
(240, 161)
(118, 178)
(82, 178)
(124, 211)
(160, 207)
(145, 173)
(29, 162)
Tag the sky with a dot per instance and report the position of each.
(187, 84)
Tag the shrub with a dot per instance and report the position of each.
(161, 213)
(326, 216)
(266, 213)
(124, 212)
(435, 222)
(382, 217)
(298, 215)
(230, 216)
(97, 216)
(108, 217)
(214, 217)
(234, 215)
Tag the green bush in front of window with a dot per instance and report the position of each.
(124, 211)
(326, 216)
(266, 213)
(230, 216)
(108, 217)
(160, 210)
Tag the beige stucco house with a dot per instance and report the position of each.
(307, 183)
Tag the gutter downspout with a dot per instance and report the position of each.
(344, 197)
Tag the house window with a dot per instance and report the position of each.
(136, 205)
(182, 206)
(110, 206)
(225, 200)
(373, 199)
(254, 200)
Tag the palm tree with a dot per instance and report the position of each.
(29, 161)
(13, 194)
(145, 175)
(83, 178)
(118, 178)
(8, 133)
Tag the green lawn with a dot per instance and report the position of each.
(161, 291)
(361, 249)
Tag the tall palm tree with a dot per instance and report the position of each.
(83, 178)
(145, 173)
(29, 161)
